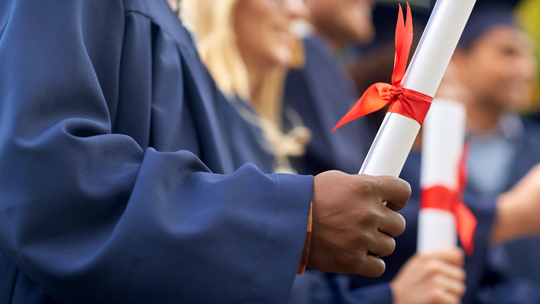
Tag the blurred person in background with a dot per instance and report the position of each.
(437, 277)
(321, 91)
(496, 64)
(247, 46)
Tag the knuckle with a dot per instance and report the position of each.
(354, 257)
(433, 267)
(368, 238)
(367, 185)
(392, 245)
(369, 219)
(377, 269)
(408, 188)
(400, 224)
(458, 256)
(389, 247)
(462, 274)
(403, 186)
(437, 296)
(357, 263)
(438, 280)
(421, 257)
(462, 289)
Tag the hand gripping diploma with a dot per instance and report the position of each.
(352, 229)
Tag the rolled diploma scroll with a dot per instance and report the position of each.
(396, 135)
(442, 150)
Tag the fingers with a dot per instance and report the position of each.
(446, 290)
(371, 267)
(431, 277)
(453, 256)
(352, 229)
(391, 223)
(450, 271)
(396, 192)
(447, 275)
(452, 286)
(383, 246)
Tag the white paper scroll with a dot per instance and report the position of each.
(442, 150)
(397, 133)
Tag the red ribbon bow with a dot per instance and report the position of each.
(406, 102)
(442, 198)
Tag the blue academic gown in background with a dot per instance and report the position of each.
(243, 134)
(116, 177)
(514, 268)
(320, 94)
(525, 253)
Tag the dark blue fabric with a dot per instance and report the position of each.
(374, 294)
(245, 138)
(321, 93)
(519, 259)
(483, 19)
(314, 287)
(100, 102)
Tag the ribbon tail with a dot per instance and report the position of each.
(372, 100)
(400, 32)
(466, 226)
(462, 169)
(403, 41)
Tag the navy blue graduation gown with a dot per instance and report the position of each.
(524, 254)
(244, 135)
(117, 181)
(320, 94)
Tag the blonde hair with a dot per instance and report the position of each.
(213, 24)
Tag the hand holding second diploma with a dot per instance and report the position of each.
(351, 226)
(431, 277)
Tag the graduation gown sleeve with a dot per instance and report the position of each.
(99, 202)
(314, 287)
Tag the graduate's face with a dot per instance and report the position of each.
(263, 31)
(344, 21)
(500, 68)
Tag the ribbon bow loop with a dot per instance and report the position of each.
(377, 96)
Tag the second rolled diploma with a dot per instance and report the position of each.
(443, 136)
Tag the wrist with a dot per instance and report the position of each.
(307, 244)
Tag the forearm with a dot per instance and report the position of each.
(509, 223)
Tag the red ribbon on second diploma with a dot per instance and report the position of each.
(406, 102)
(442, 198)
